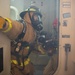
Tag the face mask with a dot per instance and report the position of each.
(36, 22)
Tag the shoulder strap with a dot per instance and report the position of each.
(23, 31)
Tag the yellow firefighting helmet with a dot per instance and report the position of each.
(31, 9)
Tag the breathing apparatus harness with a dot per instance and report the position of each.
(20, 45)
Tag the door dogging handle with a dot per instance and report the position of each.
(67, 50)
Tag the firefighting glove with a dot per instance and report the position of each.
(2, 22)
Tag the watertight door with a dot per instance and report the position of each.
(66, 38)
(4, 42)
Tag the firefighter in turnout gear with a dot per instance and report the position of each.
(22, 34)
